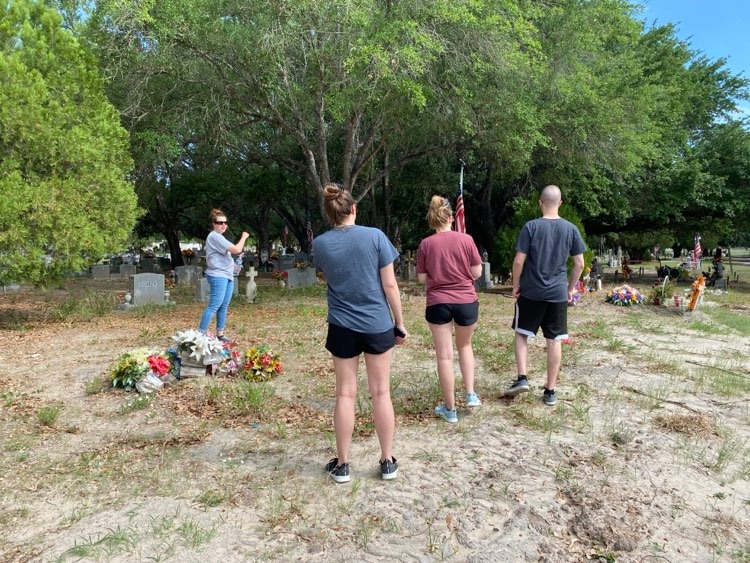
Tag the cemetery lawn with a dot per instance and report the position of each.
(645, 458)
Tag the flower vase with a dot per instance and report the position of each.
(149, 384)
(282, 284)
(190, 367)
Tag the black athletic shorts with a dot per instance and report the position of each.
(463, 314)
(346, 343)
(552, 317)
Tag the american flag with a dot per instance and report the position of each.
(697, 251)
(309, 232)
(285, 235)
(460, 220)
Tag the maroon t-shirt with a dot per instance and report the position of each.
(447, 258)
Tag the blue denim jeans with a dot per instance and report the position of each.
(218, 303)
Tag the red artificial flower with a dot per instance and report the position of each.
(158, 364)
(278, 368)
(265, 360)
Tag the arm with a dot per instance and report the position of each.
(392, 294)
(422, 277)
(237, 248)
(575, 275)
(476, 271)
(518, 263)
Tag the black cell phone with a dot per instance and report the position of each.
(398, 332)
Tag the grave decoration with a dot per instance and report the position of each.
(143, 369)
(624, 296)
(194, 355)
(260, 363)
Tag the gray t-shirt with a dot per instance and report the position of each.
(219, 260)
(547, 244)
(351, 258)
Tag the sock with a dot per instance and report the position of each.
(520, 377)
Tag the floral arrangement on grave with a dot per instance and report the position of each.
(260, 363)
(274, 256)
(662, 292)
(278, 275)
(302, 264)
(198, 346)
(624, 296)
(188, 253)
(132, 367)
(578, 293)
(232, 362)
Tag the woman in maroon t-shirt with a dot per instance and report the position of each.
(449, 262)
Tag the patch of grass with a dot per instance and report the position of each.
(47, 416)
(76, 309)
(615, 344)
(702, 327)
(148, 336)
(96, 385)
(136, 403)
(114, 542)
(193, 535)
(252, 398)
(726, 382)
(415, 397)
(730, 319)
(211, 498)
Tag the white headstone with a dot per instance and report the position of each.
(147, 288)
(251, 289)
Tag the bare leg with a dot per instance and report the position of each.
(343, 414)
(379, 381)
(554, 357)
(522, 352)
(443, 338)
(466, 355)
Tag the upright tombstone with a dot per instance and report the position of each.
(202, 290)
(251, 289)
(147, 263)
(187, 275)
(127, 270)
(286, 262)
(301, 278)
(485, 280)
(100, 271)
(147, 288)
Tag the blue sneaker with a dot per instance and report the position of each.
(473, 400)
(448, 415)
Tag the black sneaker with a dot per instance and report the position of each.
(549, 397)
(519, 386)
(223, 339)
(389, 469)
(339, 473)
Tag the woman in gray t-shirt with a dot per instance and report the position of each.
(219, 273)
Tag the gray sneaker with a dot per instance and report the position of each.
(519, 386)
(549, 397)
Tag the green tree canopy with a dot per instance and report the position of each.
(64, 196)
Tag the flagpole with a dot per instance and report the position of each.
(461, 177)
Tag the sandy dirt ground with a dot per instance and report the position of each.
(645, 457)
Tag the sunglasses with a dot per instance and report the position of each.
(220, 223)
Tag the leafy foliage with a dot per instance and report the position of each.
(64, 197)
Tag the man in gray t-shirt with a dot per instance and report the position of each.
(542, 289)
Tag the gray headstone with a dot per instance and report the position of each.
(165, 264)
(127, 270)
(251, 289)
(203, 290)
(286, 262)
(187, 275)
(147, 288)
(100, 271)
(301, 278)
(485, 280)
